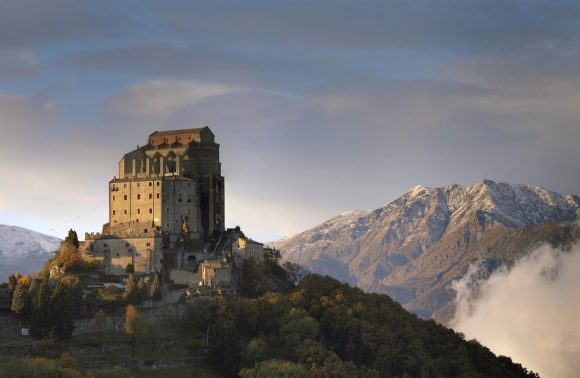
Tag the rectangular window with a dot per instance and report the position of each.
(148, 244)
(157, 183)
(137, 220)
(113, 198)
(125, 197)
(150, 183)
(145, 231)
(138, 184)
(138, 196)
(157, 195)
(113, 212)
(138, 211)
(150, 211)
(150, 196)
(124, 185)
(125, 212)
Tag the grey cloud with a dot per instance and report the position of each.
(29, 24)
(14, 64)
(453, 24)
(216, 64)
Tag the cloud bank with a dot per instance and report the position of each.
(530, 312)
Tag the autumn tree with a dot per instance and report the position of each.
(131, 325)
(131, 294)
(155, 289)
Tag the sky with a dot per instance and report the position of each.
(319, 106)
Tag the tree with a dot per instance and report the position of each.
(155, 289)
(142, 288)
(39, 326)
(131, 325)
(72, 239)
(131, 294)
(62, 311)
(275, 368)
(21, 302)
(99, 320)
(12, 283)
(272, 255)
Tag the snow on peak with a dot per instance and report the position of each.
(418, 191)
(19, 242)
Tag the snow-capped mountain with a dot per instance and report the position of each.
(23, 250)
(415, 246)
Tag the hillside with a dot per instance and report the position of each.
(23, 250)
(415, 246)
(321, 328)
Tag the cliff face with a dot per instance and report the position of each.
(414, 247)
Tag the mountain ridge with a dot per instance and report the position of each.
(24, 250)
(413, 247)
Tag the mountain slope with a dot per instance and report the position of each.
(415, 246)
(23, 250)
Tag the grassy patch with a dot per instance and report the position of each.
(190, 371)
(93, 337)
(123, 355)
(17, 341)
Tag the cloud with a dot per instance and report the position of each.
(25, 118)
(30, 24)
(530, 312)
(14, 64)
(448, 25)
(164, 97)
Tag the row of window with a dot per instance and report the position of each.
(138, 211)
(139, 184)
(138, 196)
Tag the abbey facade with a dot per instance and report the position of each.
(166, 209)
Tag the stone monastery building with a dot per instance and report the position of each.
(166, 211)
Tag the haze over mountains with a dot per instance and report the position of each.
(414, 247)
(23, 250)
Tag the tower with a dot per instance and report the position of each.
(169, 193)
(172, 183)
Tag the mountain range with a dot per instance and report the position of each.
(23, 250)
(415, 247)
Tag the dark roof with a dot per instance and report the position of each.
(182, 131)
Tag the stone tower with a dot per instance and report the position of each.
(172, 183)
(168, 197)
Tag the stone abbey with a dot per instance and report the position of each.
(166, 211)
